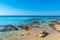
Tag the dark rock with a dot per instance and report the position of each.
(20, 26)
(8, 28)
(25, 27)
(45, 34)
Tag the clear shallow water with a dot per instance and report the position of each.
(15, 20)
(4, 20)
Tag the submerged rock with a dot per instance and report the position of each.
(8, 28)
(34, 22)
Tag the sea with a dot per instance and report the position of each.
(4, 20)
(18, 20)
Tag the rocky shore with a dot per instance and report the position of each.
(36, 30)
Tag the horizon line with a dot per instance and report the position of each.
(29, 15)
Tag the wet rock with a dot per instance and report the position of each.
(8, 28)
(24, 27)
(55, 25)
(43, 34)
(56, 22)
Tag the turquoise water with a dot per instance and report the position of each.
(4, 20)
(15, 20)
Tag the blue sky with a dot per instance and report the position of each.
(30, 7)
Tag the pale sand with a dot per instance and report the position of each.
(32, 36)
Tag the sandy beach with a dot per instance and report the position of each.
(31, 35)
(35, 30)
